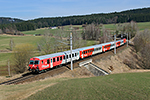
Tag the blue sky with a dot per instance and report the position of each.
(31, 9)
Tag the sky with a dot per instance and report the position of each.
(31, 9)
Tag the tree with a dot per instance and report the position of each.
(141, 40)
(21, 55)
(145, 54)
(1, 31)
(11, 44)
(77, 39)
(142, 46)
(91, 32)
(105, 36)
(47, 43)
(132, 29)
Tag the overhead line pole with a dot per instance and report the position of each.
(71, 50)
(115, 43)
(127, 40)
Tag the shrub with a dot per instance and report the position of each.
(21, 56)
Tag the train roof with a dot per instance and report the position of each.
(50, 55)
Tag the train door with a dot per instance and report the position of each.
(48, 63)
(51, 60)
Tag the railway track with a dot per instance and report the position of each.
(33, 77)
(16, 80)
(56, 71)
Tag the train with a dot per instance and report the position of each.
(45, 62)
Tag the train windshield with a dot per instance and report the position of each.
(34, 62)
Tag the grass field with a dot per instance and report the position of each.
(5, 39)
(144, 25)
(127, 86)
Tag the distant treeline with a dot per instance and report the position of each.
(138, 15)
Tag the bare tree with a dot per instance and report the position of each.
(21, 56)
(11, 44)
(141, 40)
(145, 54)
(77, 39)
(47, 44)
(142, 46)
(91, 32)
(132, 29)
(105, 36)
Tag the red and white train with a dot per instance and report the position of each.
(42, 63)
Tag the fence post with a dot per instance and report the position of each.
(9, 67)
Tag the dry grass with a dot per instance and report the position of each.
(22, 91)
(124, 61)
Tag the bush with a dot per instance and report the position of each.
(145, 54)
(142, 45)
(21, 56)
(141, 40)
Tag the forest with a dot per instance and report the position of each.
(11, 26)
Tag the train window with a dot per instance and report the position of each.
(31, 62)
(36, 62)
(60, 58)
(57, 58)
(70, 56)
(75, 54)
(83, 52)
(48, 61)
(53, 59)
(67, 56)
(86, 51)
(64, 57)
(42, 61)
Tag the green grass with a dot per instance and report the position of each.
(4, 40)
(4, 57)
(4, 62)
(37, 31)
(143, 25)
(110, 26)
(128, 86)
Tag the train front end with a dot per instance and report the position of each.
(34, 65)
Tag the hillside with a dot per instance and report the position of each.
(131, 86)
(8, 20)
(138, 15)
